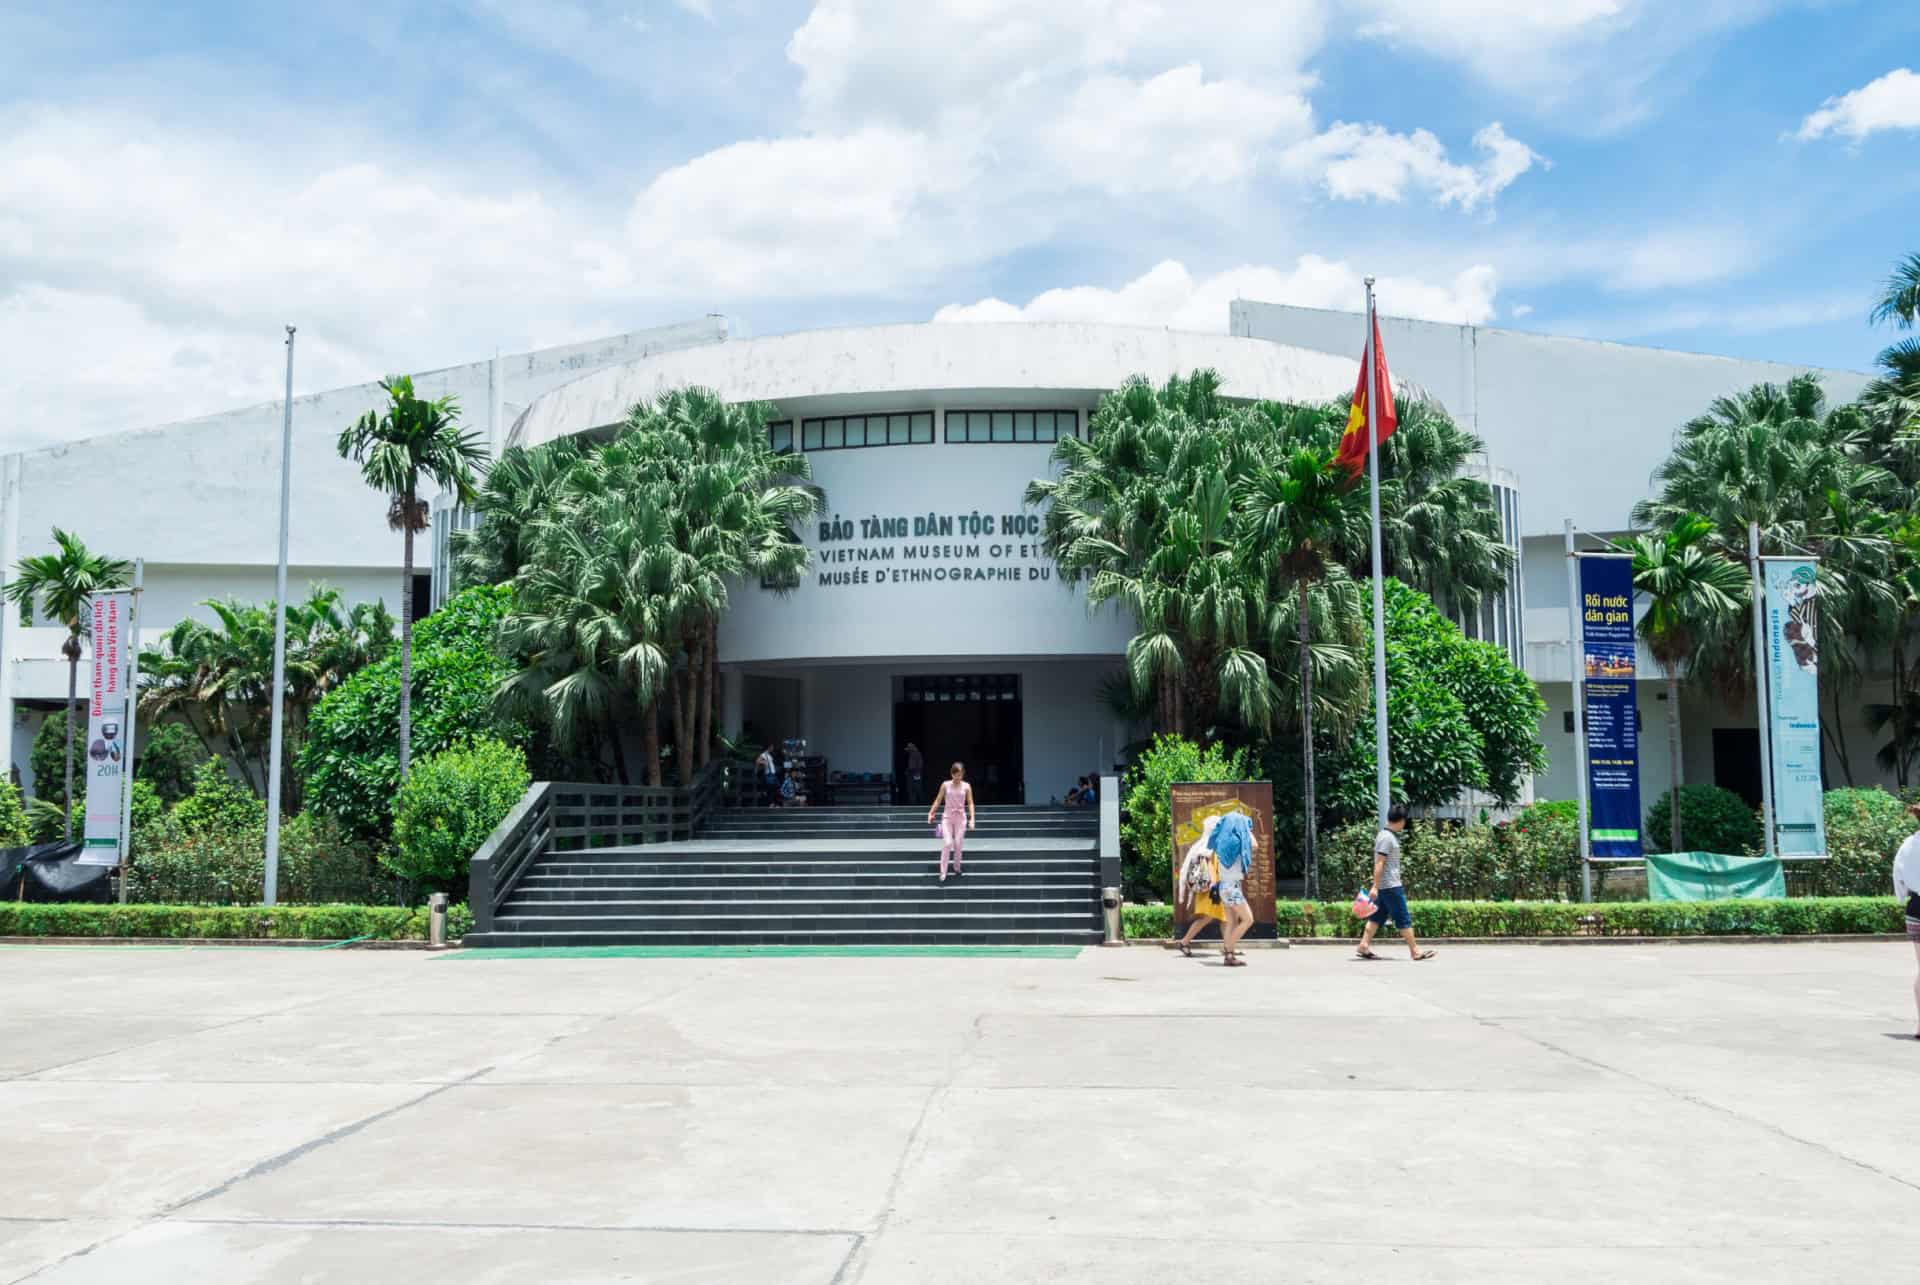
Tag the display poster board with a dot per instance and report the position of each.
(1193, 804)
(1609, 708)
(1793, 706)
(108, 727)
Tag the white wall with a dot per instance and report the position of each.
(887, 613)
(1582, 423)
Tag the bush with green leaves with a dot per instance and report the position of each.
(48, 761)
(218, 805)
(170, 757)
(351, 758)
(1146, 815)
(1712, 819)
(1535, 856)
(224, 863)
(13, 816)
(331, 923)
(449, 805)
(1864, 829)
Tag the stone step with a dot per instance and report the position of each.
(1075, 882)
(620, 918)
(864, 910)
(972, 936)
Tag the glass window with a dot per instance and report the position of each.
(780, 435)
(1003, 426)
(857, 431)
(922, 427)
(896, 430)
(1012, 426)
(1023, 426)
(810, 435)
(848, 432)
(833, 434)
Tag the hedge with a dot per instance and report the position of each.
(1806, 916)
(225, 923)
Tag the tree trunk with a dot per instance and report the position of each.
(619, 753)
(73, 687)
(1309, 852)
(651, 741)
(1673, 759)
(1902, 758)
(700, 710)
(682, 735)
(406, 639)
(713, 715)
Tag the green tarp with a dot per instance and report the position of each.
(1712, 876)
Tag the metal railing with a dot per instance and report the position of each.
(569, 816)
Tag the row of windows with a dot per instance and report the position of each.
(845, 432)
(962, 687)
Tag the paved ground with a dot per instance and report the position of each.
(1694, 1113)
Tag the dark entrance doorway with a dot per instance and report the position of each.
(972, 718)
(1736, 762)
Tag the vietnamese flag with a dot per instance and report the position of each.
(1377, 391)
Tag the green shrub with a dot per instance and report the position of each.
(1864, 829)
(47, 820)
(1534, 856)
(1146, 817)
(13, 816)
(47, 758)
(273, 923)
(449, 805)
(218, 805)
(351, 757)
(170, 758)
(1712, 819)
(1823, 916)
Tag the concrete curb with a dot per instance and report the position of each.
(1725, 939)
(311, 942)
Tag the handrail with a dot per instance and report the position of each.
(566, 816)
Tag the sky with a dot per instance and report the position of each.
(416, 185)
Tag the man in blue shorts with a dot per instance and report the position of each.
(1388, 895)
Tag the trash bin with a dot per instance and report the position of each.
(1110, 904)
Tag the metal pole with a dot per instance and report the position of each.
(1760, 688)
(1383, 773)
(1577, 673)
(132, 724)
(270, 886)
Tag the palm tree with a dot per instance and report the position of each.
(409, 441)
(1440, 529)
(1301, 512)
(1900, 300)
(521, 485)
(1693, 593)
(64, 583)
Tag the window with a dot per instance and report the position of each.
(962, 687)
(845, 432)
(780, 436)
(1014, 426)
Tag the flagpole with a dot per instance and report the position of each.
(270, 883)
(1382, 771)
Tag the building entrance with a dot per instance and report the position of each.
(974, 718)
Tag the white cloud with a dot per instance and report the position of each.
(1169, 295)
(1169, 132)
(1891, 102)
(1665, 258)
(1520, 310)
(1368, 162)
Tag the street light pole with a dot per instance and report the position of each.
(270, 886)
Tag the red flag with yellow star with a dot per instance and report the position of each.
(1376, 391)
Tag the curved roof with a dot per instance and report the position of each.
(884, 362)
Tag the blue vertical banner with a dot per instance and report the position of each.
(1612, 721)
(1793, 706)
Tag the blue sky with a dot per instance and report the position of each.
(415, 185)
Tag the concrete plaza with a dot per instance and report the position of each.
(1645, 1113)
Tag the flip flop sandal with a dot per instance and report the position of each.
(1364, 954)
(1426, 954)
(1185, 948)
(1234, 961)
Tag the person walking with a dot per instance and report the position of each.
(769, 774)
(916, 771)
(1196, 887)
(1388, 894)
(1906, 886)
(1233, 847)
(954, 802)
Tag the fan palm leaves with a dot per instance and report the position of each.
(63, 584)
(518, 487)
(1899, 300)
(409, 441)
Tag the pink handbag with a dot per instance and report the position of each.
(1363, 906)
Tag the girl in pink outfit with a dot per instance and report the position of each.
(957, 820)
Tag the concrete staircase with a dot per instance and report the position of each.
(817, 876)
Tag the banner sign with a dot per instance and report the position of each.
(1195, 804)
(1793, 707)
(1608, 705)
(108, 728)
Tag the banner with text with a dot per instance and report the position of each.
(1612, 718)
(1793, 707)
(107, 729)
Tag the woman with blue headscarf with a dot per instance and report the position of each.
(1233, 848)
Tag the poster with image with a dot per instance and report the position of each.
(1197, 806)
(1793, 706)
(108, 730)
(1609, 707)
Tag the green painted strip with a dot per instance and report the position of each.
(1616, 834)
(735, 952)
